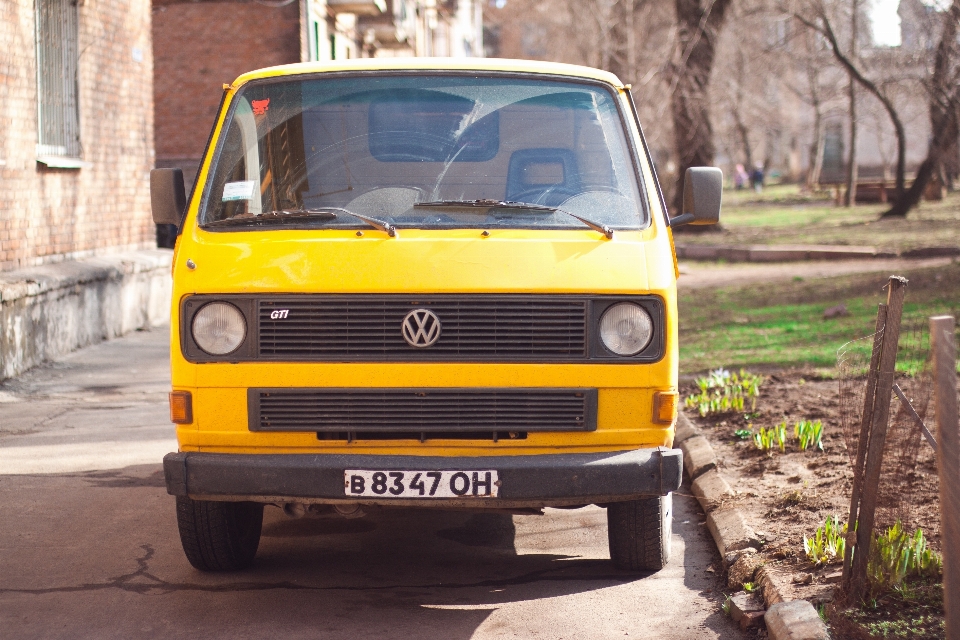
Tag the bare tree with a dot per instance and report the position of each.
(944, 89)
(816, 18)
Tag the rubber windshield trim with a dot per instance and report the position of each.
(646, 150)
(203, 158)
(611, 89)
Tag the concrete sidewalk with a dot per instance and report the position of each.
(89, 546)
(102, 407)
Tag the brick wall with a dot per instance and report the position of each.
(48, 215)
(200, 46)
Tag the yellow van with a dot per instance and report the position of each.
(424, 283)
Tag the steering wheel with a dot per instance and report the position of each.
(548, 196)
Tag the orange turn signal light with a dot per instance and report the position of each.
(665, 406)
(181, 407)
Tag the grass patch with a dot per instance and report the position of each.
(784, 215)
(912, 613)
(782, 324)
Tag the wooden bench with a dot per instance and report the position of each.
(883, 191)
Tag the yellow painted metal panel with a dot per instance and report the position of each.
(427, 261)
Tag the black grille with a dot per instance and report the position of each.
(473, 328)
(422, 410)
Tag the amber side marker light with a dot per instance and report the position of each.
(665, 406)
(181, 407)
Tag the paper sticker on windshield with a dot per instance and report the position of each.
(238, 190)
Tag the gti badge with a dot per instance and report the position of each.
(421, 328)
(279, 314)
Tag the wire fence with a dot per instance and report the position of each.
(893, 447)
(908, 488)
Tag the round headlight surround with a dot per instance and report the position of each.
(626, 328)
(218, 328)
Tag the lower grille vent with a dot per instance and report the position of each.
(422, 411)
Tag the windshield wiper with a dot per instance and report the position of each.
(506, 204)
(376, 223)
(321, 213)
(596, 226)
(273, 216)
(485, 204)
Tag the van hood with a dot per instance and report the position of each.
(448, 261)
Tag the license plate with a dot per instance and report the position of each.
(363, 483)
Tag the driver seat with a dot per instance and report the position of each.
(543, 176)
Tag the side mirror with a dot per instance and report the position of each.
(702, 191)
(168, 198)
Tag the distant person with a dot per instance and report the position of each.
(756, 178)
(740, 177)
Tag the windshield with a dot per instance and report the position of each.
(423, 151)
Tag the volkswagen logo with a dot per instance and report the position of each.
(421, 328)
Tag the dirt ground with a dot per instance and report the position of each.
(786, 495)
(701, 275)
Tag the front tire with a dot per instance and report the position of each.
(219, 536)
(639, 533)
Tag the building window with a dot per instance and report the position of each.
(58, 115)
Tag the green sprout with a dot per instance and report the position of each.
(809, 434)
(765, 439)
(897, 555)
(722, 391)
(828, 542)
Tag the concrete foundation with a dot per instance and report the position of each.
(51, 310)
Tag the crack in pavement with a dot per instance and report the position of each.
(129, 582)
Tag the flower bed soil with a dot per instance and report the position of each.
(785, 496)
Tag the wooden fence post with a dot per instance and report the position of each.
(866, 419)
(896, 289)
(944, 348)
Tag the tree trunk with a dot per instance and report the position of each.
(944, 113)
(623, 55)
(816, 149)
(698, 26)
(850, 199)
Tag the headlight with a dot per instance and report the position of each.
(626, 328)
(219, 328)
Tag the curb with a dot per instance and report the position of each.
(727, 526)
(785, 620)
(795, 253)
(795, 620)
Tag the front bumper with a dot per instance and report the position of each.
(526, 481)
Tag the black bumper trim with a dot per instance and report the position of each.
(542, 479)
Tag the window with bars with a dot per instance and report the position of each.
(58, 115)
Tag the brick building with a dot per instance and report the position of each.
(76, 129)
(78, 259)
(198, 45)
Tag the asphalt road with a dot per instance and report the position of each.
(89, 545)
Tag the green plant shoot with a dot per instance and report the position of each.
(765, 439)
(828, 542)
(809, 434)
(897, 555)
(722, 391)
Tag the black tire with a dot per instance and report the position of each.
(639, 533)
(219, 536)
